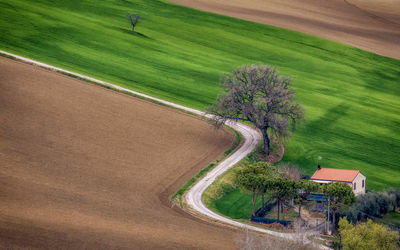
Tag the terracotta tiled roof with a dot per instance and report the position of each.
(333, 174)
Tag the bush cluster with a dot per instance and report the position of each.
(373, 204)
(367, 235)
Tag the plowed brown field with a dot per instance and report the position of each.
(367, 24)
(83, 167)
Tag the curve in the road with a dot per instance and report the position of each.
(193, 197)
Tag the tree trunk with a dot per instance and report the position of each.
(283, 210)
(299, 216)
(254, 203)
(266, 141)
(333, 220)
(262, 201)
(279, 208)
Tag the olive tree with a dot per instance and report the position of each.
(394, 197)
(259, 95)
(373, 204)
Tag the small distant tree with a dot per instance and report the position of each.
(341, 195)
(133, 19)
(367, 236)
(259, 95)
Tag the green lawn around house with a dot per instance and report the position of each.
(236, 204)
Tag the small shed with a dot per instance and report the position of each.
(354, 178)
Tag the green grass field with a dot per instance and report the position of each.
(226, 198)
(235, 204)
(351, 96)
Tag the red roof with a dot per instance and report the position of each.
(333, 174)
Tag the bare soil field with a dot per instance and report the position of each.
(83, 167)
(367, 24)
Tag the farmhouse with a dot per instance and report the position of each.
(352, 177)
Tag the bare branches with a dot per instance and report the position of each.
(259, 95)
(133, 19)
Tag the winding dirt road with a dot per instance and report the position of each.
(367, 24)
(83, 167)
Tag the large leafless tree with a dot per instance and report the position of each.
(259, 95)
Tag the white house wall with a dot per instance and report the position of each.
(358, 180)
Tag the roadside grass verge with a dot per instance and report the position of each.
(186, 186)
(351, 96)
(236, 143)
